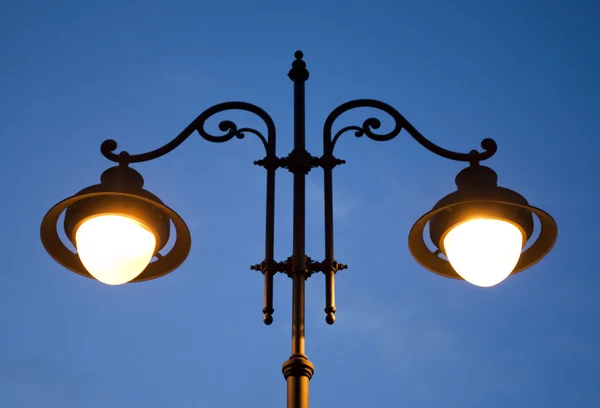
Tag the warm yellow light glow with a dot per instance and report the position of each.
(484, 251)
(114, 248)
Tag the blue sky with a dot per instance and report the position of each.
(74, 73)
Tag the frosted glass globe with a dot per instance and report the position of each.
(114, 248)
(484, 251)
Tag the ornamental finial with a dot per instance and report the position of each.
(298, 70)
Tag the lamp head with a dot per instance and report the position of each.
(481, 229)
(117, 236)
(117, 228)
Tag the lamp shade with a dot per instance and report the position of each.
(116, 237)
(482, 232)
(483, 251)
(119, 230)
(114, 248)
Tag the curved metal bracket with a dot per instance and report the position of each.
(488, 145)
(232, 130)
(329, 161)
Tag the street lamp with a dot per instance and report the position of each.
(482, 232)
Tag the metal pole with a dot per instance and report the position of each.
(269, 239)
(329, 255)
(298, 370)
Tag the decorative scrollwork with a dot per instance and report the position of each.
(369, 125)
(230, 128)
(299, 161)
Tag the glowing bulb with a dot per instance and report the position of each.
(113, 248)
(484, 251)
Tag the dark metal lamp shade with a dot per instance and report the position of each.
(119, 192)
(479, 196)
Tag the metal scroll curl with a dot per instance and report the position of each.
(230, 128)
(369, 125)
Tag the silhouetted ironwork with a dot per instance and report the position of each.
(121, 185)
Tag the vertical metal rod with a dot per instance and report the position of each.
(298, 370)
(270, 240)
(330, 295)
(329, 255)
(328, 187)
(299, 253)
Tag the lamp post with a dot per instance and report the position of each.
(481, 231)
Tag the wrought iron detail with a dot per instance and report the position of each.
(270, 162)
(481, 192)
(298, 71)
(325, 266)
(273, 266)
(330, 161)
(299, 161)
(400, 122)
(229, 127)
(286, 266)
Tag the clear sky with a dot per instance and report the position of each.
(525, 73)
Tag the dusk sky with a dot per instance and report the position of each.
(525, 73)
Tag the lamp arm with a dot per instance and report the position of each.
(232, 130)
(488, 145)
(328, 162)
(270, 162)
